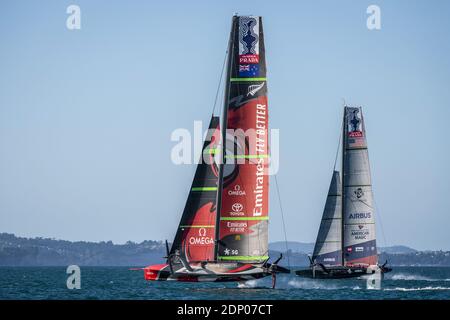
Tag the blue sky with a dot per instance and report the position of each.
(86, 115)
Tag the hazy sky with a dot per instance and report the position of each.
(86, 115)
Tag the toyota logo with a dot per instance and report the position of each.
(237, 207)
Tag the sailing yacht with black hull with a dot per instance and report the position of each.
(223, 232)
(346, 243)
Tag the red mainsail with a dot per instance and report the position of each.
(243, 224)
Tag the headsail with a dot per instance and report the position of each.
(328, 248)
(195, 235)
(358, 213)
(243, 225)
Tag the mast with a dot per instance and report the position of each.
(223, 131)
(344, 138)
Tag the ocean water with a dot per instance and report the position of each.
(121, 283)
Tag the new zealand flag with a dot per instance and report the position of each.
(249, 70)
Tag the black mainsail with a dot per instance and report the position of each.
(194, 239)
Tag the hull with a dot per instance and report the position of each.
(340, 272)
(209, 272)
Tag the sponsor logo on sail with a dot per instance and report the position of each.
(236, 191)
(201, 239)
(237, 209)
(233, 252)
(359, 193)
(354, 120)
(249, 58)
(248, 36)
(253, 89)
(202, 232)
(355, 134)
(354, 126)
(261, 147)
(360, 233)
(237, 226)
(360, 215)
(252, 93)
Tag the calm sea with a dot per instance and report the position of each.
(121, 283)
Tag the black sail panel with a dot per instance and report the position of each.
(195, 234)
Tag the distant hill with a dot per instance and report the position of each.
(307, 247)
(294, 246)
(397, 250)
(19, 251)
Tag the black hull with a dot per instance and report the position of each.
(212, 272)
(337, 273)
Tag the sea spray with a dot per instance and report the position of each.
(411, 277)
(429, 288)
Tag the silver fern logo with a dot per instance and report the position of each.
(253, 89)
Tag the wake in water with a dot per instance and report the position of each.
(413, 277)
(286, 283)
(417, 289)
(309, 284)
(410, 277)
(252, 284)
(290, 283)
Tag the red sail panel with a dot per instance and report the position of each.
(198, 239)
(244, 210)
(243, 226)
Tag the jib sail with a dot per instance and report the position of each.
(243, 221)
(195, 234)
(328, 248)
